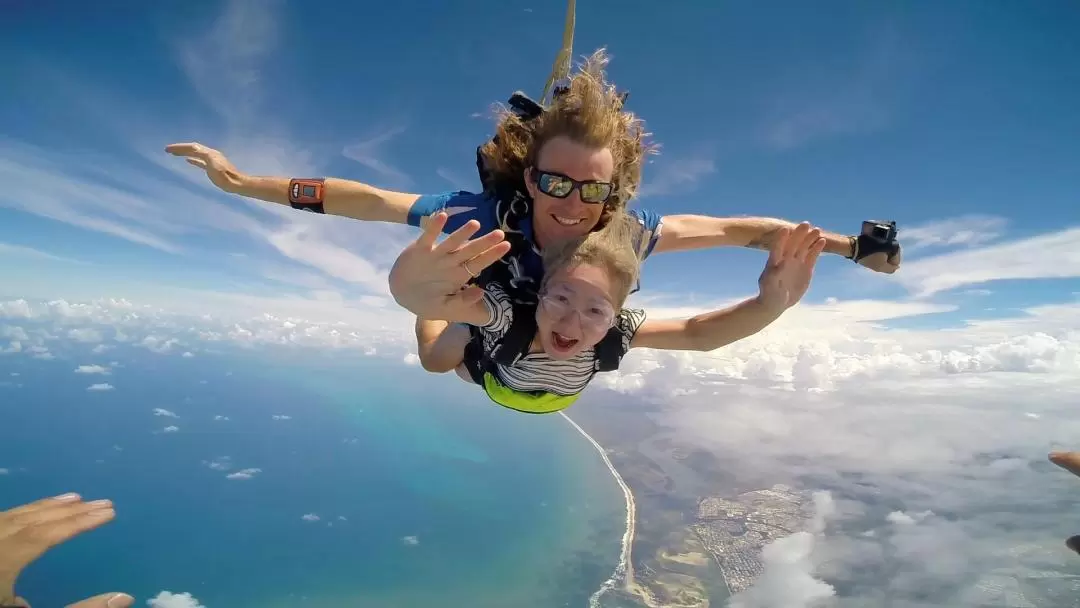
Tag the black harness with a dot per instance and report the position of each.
(512, 207)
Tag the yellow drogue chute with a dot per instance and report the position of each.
(561, 69)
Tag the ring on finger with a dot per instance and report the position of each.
(465, 265)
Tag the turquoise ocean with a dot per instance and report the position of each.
(425, 493)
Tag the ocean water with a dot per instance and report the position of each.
(426, 493)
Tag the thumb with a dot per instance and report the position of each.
(198, 162)
(106, 600)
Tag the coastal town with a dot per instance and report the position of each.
(734, 531)
(694, 545)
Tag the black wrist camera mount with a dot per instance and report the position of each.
(877, 236)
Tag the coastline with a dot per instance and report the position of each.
(624, 571)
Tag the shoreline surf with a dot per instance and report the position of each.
(624, 571)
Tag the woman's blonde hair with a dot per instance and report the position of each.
(590, 112)
(612, 248)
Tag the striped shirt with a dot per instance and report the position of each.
(537, 372)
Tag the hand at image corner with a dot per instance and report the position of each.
(28, 531)
(1070, 461)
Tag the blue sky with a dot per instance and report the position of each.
(956, 119)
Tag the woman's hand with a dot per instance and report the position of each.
(429, 278)
(28, 531)
(790, 267)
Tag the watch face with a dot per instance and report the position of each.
(309, 191)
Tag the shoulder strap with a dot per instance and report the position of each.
(515, 343)
(609, 351)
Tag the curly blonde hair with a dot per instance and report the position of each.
(589, 112)
(611, 248)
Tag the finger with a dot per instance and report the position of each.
(186, 149)
(776, 252)
(432, 227)
(808, 242)
(105, 600)
(47, 515)
(1070, 461)
(475, 247)
(489, 257)
(796, 238)
(44, 503)
(198, 162)
(20, 603)
(815, 250)
(36, 539)
(457, 238)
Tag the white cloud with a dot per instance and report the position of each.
(219, 464)
(369, 154)
(244, 474)
(171, 429)
(787, 579)
(221, 418)
(4, 471)
(224, 65)
(160, 411)
(85, 335)
(9, 251)
(310, 517)
(281, 417)
(943, 427)
(92, 369)
(1053, 255)
(411, 359)
(964, 231)
(933, 442)
(676, 176)
(100, 387)
(410, 541)
(167, 599)
(187, 355)
(15, 309)
(16, 334)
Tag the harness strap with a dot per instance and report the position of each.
(609, 351)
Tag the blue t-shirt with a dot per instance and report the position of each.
(464, 206)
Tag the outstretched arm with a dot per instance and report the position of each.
(339, 196)
(683, 232)
(707, 331)
(783, 283)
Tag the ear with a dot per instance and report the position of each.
(530, 185)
